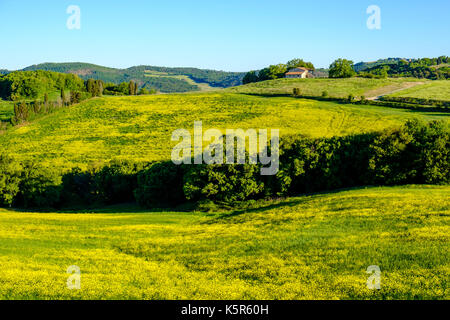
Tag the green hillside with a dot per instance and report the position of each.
(311, 247)
(140, 127)
(170, 82)
(339, 88)
(437, 90)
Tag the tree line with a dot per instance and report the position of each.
(416, 153)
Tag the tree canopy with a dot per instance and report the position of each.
(341, 68)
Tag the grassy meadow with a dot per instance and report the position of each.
(338, 88)
(311, 247)
(140, 127)
(437, 90)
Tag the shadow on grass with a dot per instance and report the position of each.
(437, 111)
(292, 201)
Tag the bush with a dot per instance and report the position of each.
(223, 182)
(296, 92)
(78, 188)
(415, 153)
(160, 185)
(39, 187)
(116, 182)
(310, 165)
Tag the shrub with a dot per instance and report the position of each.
(78, 188)
(223, 182)
(415, 153)
(160, 184)
(310, 165)
(39, 187)
(116, 182)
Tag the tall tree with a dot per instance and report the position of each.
(63, 97)
(341, 68)
(131, 87)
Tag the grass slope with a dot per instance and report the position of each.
(438, 90)
(310, 247)
(339, 88)
(140, 127)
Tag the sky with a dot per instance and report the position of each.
(230, 35)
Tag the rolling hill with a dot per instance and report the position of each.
(338, 88)
(168, 79)
(139, 127)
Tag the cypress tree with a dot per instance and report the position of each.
(63, 97)
(46, 99)
(131, 87)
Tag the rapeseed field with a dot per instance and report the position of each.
(310, 247)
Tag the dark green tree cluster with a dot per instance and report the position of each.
(94, 87)
(275, 71)
(416, 153)
(32, 185)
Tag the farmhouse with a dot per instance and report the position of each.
(297, 73)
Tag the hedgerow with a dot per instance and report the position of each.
(416, 153)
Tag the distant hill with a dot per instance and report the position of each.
(361, 66)
(424, 68)
(161, 78)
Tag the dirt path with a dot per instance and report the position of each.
(390, 89)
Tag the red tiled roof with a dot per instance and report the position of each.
(296, 72)
(299, 70)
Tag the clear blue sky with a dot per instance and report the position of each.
(232, 35)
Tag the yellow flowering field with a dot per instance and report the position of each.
(310, 247)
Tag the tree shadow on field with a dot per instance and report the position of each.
(434, 112)
(284, 203)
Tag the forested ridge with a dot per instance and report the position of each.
(165, 82)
